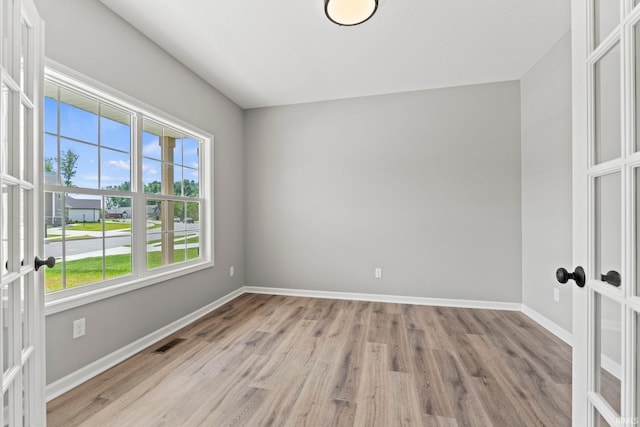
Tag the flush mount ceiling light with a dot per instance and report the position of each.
(350, 12)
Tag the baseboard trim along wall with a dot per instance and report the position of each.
(550, 326)
(76, 378)
(442, 302)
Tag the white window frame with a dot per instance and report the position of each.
(66, 299)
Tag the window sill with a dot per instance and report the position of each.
(60, 301)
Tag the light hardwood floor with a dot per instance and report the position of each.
(286, 361)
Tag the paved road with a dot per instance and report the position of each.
(81, 246)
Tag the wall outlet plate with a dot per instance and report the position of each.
(78, 328)
(378, 273)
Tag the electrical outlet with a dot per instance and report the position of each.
(378, 273)
(78, 328)
(556, 294)
(232, 271)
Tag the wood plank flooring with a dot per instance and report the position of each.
(264, 360)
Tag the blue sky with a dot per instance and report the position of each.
(80, 131)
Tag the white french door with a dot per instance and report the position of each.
(606, 211)
(21, 289)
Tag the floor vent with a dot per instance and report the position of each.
(168, 346)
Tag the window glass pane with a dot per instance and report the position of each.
(152, 176)
(78, 164)
(53, 217)
(608, 225)
(115, 170)
(191, 153)
(193, 216)
(51, 160)
(610, 341)
(118, 231)
(89, 145)
(606, 18)
(115, 128)
(78, 116)
(83, 245)
(193, 244)
(607, 106)
(174, 240)
(154, 233)
(168, 179)
(177, 180)
(151, 140)
(50, 108)
(177, 151)
(191, 182)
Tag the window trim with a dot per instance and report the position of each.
(78, 296)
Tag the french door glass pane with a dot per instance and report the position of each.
(636, 172)
(24, 312)
(636, 43)
(24, 232)
(4, 232)
(606, 18)
(25, 64)
(6, 129)
(7, 35)
(607, 212)
(7, 323)
(609, 337)
(599, 420)
(607, 116)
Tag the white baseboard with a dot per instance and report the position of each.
(76, 378)
(442, 302)
(549, 325)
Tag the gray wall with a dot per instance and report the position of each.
(546, 183)
(424, 184)
(87, 37)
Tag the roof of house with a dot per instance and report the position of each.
(72, 203)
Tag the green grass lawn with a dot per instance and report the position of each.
(97, 226)
(89, 270)
(59, 239)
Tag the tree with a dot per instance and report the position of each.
(119, 202)
(49, 164)
(68, 166)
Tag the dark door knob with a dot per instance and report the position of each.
(612, 278)
(578, 275)
(49, 262)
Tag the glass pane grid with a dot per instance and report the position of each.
(92, 152)
(607, 115)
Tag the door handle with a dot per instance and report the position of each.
(563, 276)
(612, 277)
(49, 262)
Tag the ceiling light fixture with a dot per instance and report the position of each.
(350, 12)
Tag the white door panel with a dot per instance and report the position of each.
(21, 291)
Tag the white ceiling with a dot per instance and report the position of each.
(275, 52)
